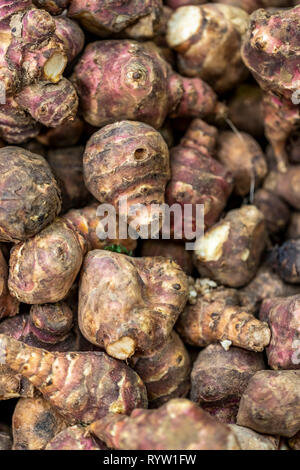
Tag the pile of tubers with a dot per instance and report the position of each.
(137, 341)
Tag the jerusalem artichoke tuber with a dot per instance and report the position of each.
(5, 438)
(274, 209)
(285, 185)
(169, 249)
(75, 438)
(9, 305)
(55, 7)
(245, 109)
(285, 260)
(251, 440)
(82, 387)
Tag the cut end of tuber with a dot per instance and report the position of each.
(55, 66)
(209, 248)
(184, 22)
(122, 349)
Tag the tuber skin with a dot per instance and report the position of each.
(252, 5)
(66, 164)
(34, 424)
(293, 147)
(293, 230)
(196, 177)
(276, 212)
(5, 437)
(14, 385)
(207, 39)
(230, 251)
(29, 195)
(134, 18)
(245, 109)
(271, 403)
(75, 438)
(180, 3)
(282, 316)
(16, 125)
(55, 7)
(166, 373)
(265, 285)
(151, 293)
(128, 159)
(244, 158)
(215, 317)
(39, 275)
(169, 249)
(270, 51)
(9, 305)
(144, 87)
(251, 440)
(220, 377)
(294, 442)
(285, 185)
(177, 425)
(66, 135)
(71, 36)
(98, 384)
(285, 260)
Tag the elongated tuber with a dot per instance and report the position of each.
(271, 403)
(34, 424)
(208, 39)
(282, 316)
(243, 156)
(29, 194)
(177, 425)
(230, 251)
(82, 387)
(144, 87)
(211, 320)
(166, 373)
(129, 305)
(219, 377)
(75, 438)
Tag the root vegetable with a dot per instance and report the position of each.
(144, 87)
(177, 425)
(293, 147)
(105, 18)
(34, 424)
(82, 387)
(294, 442)
(271, 403)
(169, 249)
(285, 185)
(282, 316)
(166, 373)
(252, 5)
(29, 194)
(208, 39)
(66, 135)
(55, 7)
(293, 230)
(230, 251)
(75, 438)
(219, 377)
(14, 385)
(285, 259)
(274, 209)
(128, 159)
(212, 319)
(243, 156)
(5, 437)
(265, 285)
(16, 125)
(9, 306)
(197, 178)
(71, 36)
(245, 110)
(251, 440)
(180, 3)
(129, 305)
(66, 164)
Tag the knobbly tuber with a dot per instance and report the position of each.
(245, 110)
(270, 51)
(282, 316)
(97, 385)
(208, 39)
(285, 259)
(41, 275)
(66, 135)
(9, 305)
(29, 194)
(144, 87)
(243, 156)
(16, 125)
(5, 437)
(285, 184)
(75, 438)
(220, 377)
(133, 18)
(215, 317)
(129, 305)
(180, 3)
(34, 424)
(166, 373)
(294, 442)
(55, 7)
(251, 440)
(169, 249)
(197, 178)
(129, 160)
(71, 36)
(271, 403)
(177, 425)
(274, 209)
(66, 164)
(14, 385)
(230, 251)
